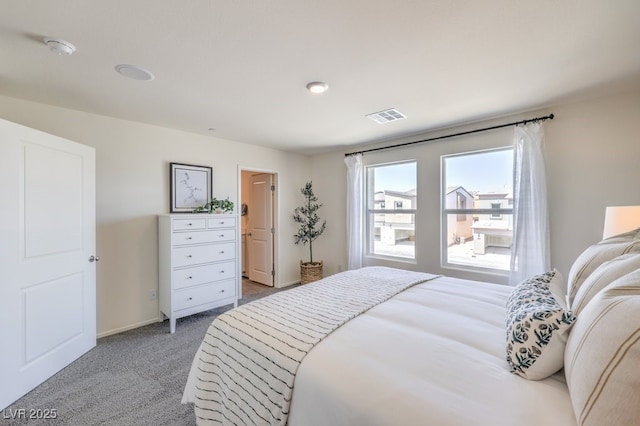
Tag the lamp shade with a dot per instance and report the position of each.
(619, 219)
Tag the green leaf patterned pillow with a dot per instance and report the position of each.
(537, 326)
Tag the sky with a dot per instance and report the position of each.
(395, 177)
(487, 171)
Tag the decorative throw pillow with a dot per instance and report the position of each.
(596, 255)
(603, 354)
(537, 326)
(604, 275)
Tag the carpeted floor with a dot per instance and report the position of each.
(132, 378)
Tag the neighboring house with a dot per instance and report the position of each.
(459, 225)
(493, 229)
(394, 227)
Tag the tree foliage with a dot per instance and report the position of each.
(306, 216)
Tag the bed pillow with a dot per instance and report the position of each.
(602, 276)
(603, 355)
(596, 255)
(537, 325)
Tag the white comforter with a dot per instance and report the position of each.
(432, 355)
(245, 369)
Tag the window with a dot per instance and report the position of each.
(391, 232)
(496, 211)
(477, 216)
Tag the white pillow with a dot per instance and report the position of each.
(602, 356)
(537, 325)
(604, 275)
(596, 255)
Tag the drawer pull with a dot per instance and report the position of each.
(191, 298)
(189, 238)
(189, 278)
(221, 251)
(222, 222)
(222, 271)
(222, 291)
(221, 235)
(189, 255)
(189, 224)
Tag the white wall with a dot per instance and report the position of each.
(592, 148)
(592, 152)
(132, 187)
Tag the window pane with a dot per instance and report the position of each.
(393, 235)
(397, 178)
(391, 204)
(475, 181)
(484, 248)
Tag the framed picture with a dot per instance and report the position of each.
(190, 186)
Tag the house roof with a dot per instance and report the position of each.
(406, 194)
(493, 195)
(450, 189)
(240, 67)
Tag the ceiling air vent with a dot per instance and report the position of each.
(386, 116)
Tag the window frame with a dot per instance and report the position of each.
(444, 212)
(370, 212)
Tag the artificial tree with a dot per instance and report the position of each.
(309, 227)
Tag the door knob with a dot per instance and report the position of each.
(93, 258)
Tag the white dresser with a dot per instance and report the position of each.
(199, 263)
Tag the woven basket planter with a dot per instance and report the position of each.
(310, 272)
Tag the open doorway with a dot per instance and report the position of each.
(258, 231)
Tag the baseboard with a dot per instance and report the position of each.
(126, 328)
(283, 285)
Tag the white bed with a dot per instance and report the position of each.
(437, 353)
(431, 352)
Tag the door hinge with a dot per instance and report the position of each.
(273, 273)
(273, 230)
(273, 187)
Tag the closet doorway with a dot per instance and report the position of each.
(258, 230)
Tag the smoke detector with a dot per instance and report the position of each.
(60, 47)
(386, 116)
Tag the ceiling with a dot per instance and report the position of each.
(240, 66)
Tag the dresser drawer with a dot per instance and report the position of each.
(195, 275)
(199, 295)
(221, 222)
(184, 224)
(194, 255)
(220, 235)
(199, 237)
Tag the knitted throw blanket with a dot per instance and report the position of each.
(248, 361)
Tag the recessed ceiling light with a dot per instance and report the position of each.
(317, 87)
(60, 47)
(134, 72)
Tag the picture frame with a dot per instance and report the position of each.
(190, 186)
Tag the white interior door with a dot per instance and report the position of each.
(260, 235)
(47, 282)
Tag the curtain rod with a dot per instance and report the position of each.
(515, 123)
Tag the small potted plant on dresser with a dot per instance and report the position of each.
(309, 228)
(216, 206)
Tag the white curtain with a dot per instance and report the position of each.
(355, 213)
(530, 247)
